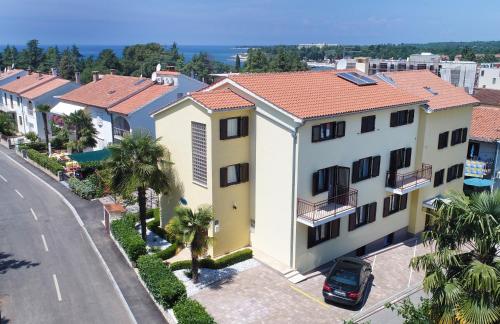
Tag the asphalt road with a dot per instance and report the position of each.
(49, 272)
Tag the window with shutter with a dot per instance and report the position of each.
(355, 172)
(323, 233)
(328, 131)
(340, 129)
(407, 157)
(460, 170)
(320, 181)
(464, 135)
(443, 140)
(234, 174)
(352, 222)
(438, 178)
(367, 124)
(387, 202)
(394, 119)
(402, 117)
(375, 166)
(372, 212)
(411, 116)
(233, 127)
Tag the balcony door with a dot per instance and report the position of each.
(338, 185)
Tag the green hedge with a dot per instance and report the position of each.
(130, 240)
(189, 311)
(37, 146)
(168, 252)
(223, 262)
(165, 287)
(89, 188)
(154, 225)
(43, 160)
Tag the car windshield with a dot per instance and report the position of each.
(346, 274)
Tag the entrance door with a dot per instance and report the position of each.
(338, 185)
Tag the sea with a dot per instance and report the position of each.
(222, 53)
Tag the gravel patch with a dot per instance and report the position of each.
(153, 240)
(208, 277)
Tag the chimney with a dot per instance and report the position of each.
(77, 77)
(112, 71)
(39, 74)
(53, 71)
(95, 76)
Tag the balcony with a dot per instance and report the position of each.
(120, 133)
(316, 213)
(402, 183)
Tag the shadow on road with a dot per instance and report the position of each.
(7, 262)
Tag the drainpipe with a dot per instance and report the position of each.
(293, 228)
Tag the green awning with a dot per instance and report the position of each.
(90, 156)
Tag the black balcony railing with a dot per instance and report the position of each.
(317, 211)
(409, 180)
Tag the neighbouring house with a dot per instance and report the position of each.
(309, 166)
(22, 96)
(489, 76)
(120, 104)
(482, 168)
(9, 75)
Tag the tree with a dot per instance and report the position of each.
(107, 60)
(468, 54)
(237, 63)
(10, 56)
(7, 124)
(51, 59)
(32, 55)
(256, 61)
(463, 274)
(199, 67)
(71, 62)
(139, 162)
(413, 314)
(44, 110)
(191, 228)
(81, 123)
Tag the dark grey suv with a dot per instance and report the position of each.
(347, 281)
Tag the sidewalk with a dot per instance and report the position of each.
(138, 299)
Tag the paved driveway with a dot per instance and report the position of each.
(262, 295)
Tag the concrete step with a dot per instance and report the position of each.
(297, 278)
(291, 273)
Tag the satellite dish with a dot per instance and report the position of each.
(158, 67)
(153, 76)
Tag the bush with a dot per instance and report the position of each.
(124, 232)
(84, 188)
(168, 252)
(32, 136)
(165, 287)
(154, 225)
(44, 161)
(220, 263)
(37, 146)
(189, 311)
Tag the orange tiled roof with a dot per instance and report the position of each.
(141, 99)
(446, 95)
(9, 73)
(27, 82)
(107, 91)
(485, 124)
(487, 96)
(321, 93)
(221, 99)
(44, 88)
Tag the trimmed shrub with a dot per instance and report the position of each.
(37, 146)
(32, 136)
(189, 311)
(130, 240)
(168, 252)
(43, 160)
(87, 189)
(165, 287)
(209, 263)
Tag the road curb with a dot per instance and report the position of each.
(82, 225)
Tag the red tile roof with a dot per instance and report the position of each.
(485, 123)
(9, 73)
(44, 88)
(141, 99)
(27, 82)
(221, 99)
(440, 93)
(321, 93)
(107, 91)
(487, 96)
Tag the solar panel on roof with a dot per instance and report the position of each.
(356, 78)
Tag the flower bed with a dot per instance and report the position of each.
(220, 263)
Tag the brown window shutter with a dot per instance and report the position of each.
(355, 172)
(387, 202)
(340, 129)
(223, 129)
(460, 171)
(394, 119)
(335, 228)
(372, 212)
(316, 130)
(311, 235)
(407, 156)
(403, 202)
(223, 177)
(393, 163)
(464, 135)
(244, 172)
(352, 222)
(375, 166)
(244, 126)
(411, 116)
(315, 183)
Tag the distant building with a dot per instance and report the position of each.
(320, 45)
(461, 74)
(9, 75)
(489, 76)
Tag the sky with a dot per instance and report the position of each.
(249, 22)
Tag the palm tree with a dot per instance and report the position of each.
(463, 273)
(81, 122)
(44, 109)
(137, 163)
(191, 228)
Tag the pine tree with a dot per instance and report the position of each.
(237, 64)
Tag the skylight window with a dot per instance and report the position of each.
(429, 89)
(356, 78)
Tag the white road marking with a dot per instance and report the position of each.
(45, 243)
(2, 177)
(33, 213)
(18, 193)
(57, 288)
(411, 269)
